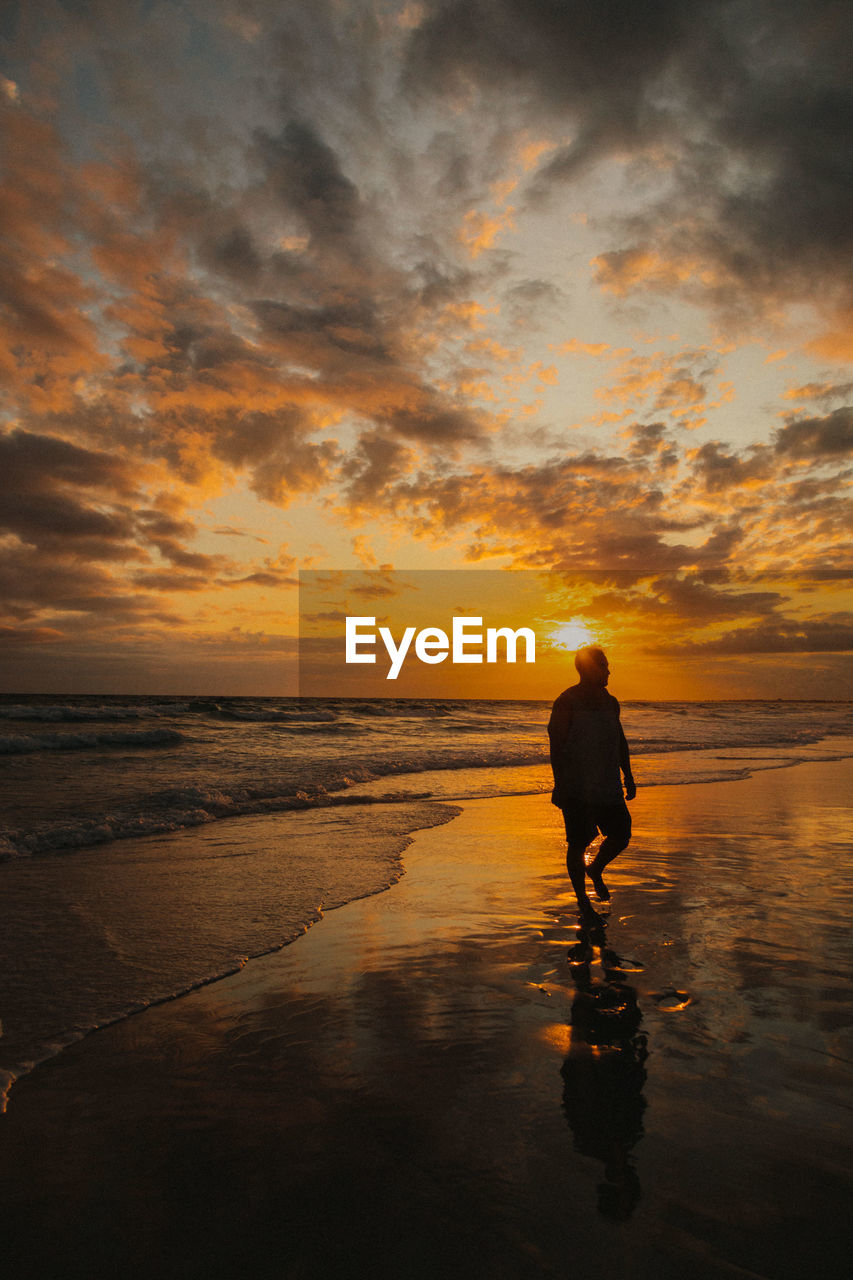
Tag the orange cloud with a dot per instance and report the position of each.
(826, 391)
(233, 311)
(676, 384)
(836, 342)
(480, 230)
(530, 153)
(623, 270)
(468, 314)
(575, 347)
(493, 350)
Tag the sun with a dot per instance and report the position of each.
(573, 634)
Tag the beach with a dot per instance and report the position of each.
(412, 413)
(451, 1075)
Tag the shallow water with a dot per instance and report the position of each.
(453, 1075)
(99, 935)
(262, 812)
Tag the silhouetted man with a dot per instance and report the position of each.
(588, 751)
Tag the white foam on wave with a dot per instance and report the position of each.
(180, 809)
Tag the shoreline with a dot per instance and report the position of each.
(154, 873)
(426, 1080)
(84, 831)
(245, 825)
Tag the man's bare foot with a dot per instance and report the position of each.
(598, 884)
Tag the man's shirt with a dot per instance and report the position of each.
(586, 739)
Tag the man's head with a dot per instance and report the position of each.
(591, 663)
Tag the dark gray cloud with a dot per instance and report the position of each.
(325, 615)
(72, 501)
(434, 282)
(682, 601)
(570, 55)
(817, 439)
(306, 176)
(171, 581)
(581, 510)
(660, 506)
(75, 523)
(749, 106)
(372, 467)
(229, 531)
(283, 462)
(67, 593)
(13, 637)
(532, 302)
(28, 460)
(170, 549)
(158, 524)
(326, 337)
(234, 253)
(816, 635)
(279, 255)
(652, 441)
(51, 491)
(704, 599)
(823, 391)
(718, 468)
(254, 437)
(433, 421)
(261, 578)
(55, 518)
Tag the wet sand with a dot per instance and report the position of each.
(452, 1078)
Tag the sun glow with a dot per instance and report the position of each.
(572, 635)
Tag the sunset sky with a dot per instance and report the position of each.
(461, 285)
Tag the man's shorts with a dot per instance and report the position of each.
(584, 821)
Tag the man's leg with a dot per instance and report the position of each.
(615, 825)
(577, 874)
(580, 830)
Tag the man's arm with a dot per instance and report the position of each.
(625, 764)
(558, 732)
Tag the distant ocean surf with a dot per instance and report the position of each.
(149, 844)
(86, 771)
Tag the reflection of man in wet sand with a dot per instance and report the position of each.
(604, 1072)
(588, 751)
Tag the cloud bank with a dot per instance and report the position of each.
(391, 268)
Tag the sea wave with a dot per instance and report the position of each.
(264, 715)
(175, 811)
(53, 713)
(401, 708)
(20, 744)
(277, 754)
(176, 808)
(81, 713)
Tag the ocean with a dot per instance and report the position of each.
(150, 845)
